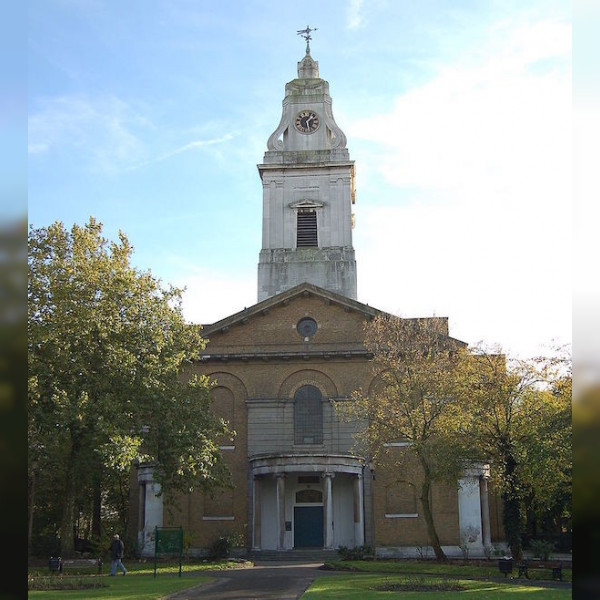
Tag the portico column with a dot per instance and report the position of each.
(151, 509)
(280, 510)
(328, 510)
(485, 512)
(359, 529)
(256, 515)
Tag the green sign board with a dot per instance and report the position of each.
(168, 541)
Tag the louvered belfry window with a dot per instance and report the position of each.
(308, 416)
(307, 229)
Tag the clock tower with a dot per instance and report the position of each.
(308, 193)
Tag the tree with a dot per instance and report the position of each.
(107, 347)
(547, 470)
(519, 420)
(413, 400)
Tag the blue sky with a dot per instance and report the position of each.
(151, 116)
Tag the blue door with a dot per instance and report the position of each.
(308, 527)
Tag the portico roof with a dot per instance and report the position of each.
(275, 464)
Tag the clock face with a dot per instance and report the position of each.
(306, 121)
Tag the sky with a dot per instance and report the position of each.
(151, 116)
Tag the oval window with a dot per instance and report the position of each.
(306, 327)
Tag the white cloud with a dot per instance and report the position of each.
(103, 130)
(184, 148)
(493, 283)
(354, 17)
(212, 295)
(38, 148)
(482, 154)
(490, 127)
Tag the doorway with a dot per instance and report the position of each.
(308, 526)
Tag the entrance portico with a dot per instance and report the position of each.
(307, 501)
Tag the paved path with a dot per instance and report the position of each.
(265, 581)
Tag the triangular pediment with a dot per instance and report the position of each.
(270, 327)
(306, 204)
(284, 298)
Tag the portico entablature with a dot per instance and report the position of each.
(477, 469)
(306, 463)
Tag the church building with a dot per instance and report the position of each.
(299, 481)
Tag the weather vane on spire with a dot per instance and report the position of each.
(305, 33)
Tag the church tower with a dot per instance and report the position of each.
(308, 193)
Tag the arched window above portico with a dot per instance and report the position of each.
(308, 415)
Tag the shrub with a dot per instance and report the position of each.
(541, 549)
(422, 551)
(356, 553)
(220, 548)
(45, 584)
(468, 535)
(419, 583)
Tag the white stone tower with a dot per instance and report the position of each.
(308, 193)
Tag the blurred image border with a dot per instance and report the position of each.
(586, 299)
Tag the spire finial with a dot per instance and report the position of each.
(305, 33)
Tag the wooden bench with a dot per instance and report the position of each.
(58, 564)
(556, 569)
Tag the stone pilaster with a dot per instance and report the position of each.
(328, 510)
(359, 529)
(256, 514)
(280, 510)
(485, 511)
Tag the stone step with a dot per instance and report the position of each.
(304, 555)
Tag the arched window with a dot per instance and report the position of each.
(223, 407)
(308, 416)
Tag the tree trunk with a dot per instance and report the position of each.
(433, 536)
(31, 509)
(97, 506)
(531, 519)
(511, 514)
(67, 525)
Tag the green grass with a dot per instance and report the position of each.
(434, 568)
(138, 584)
(147, 566)
(131, 587)
(363, 587)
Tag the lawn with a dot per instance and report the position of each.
(130, 587)
(138, 584)
(363, 583)
(364, 587)
(487, 571)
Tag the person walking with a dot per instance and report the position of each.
(116, 554)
